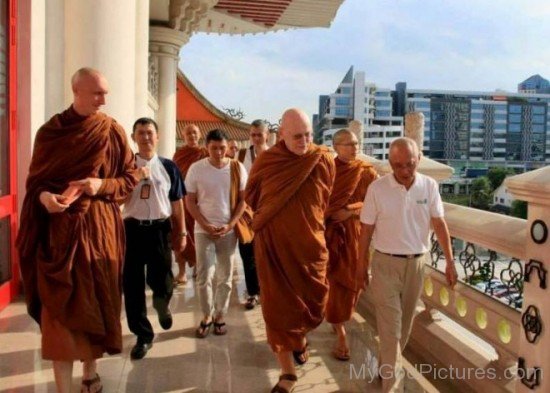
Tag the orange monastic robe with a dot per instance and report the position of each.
(71, 262)
(184, 157)
(345, 272)
(289, 195)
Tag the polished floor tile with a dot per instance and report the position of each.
(241, 361)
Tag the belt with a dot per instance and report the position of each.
(146, 223)
(407, 256)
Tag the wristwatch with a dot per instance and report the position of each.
(183, 234)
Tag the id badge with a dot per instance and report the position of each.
(145, 191)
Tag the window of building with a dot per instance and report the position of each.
(342, 101)
(514, 118)
(514, 109)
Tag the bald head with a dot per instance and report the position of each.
(296, 131)
(191, 135)
(404, 144)
(341, 136)
(89, 89)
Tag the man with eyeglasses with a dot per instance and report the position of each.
(288, 190)
(258, 144)
(345, 272)
(396, 215)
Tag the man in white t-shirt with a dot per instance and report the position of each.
(396, 216)
(258, 144)
(208, 183)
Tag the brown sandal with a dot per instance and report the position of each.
(341, 354)
(220, 329)
(88, 383)
(285, 377)
(301, 357)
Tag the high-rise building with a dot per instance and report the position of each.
(535, 84)
(494, 128)
(357, 99)
(462, 128)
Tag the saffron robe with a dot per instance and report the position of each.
(346, 272)
(71, 262)
(184, 157)
(289, 195)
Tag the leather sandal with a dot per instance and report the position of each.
(285, 377)
(220, 329)
(88, 383)
(341, 354)
(301, 357)
(203, 330)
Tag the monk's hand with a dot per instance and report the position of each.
(54, 203)
(90, 185)
(450, 273)
(341, 215)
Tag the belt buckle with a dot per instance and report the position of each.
(146, 223)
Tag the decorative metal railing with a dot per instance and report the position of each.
(489, 296)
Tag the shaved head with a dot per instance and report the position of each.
(341, 135)
(191, 135)
(296, 131)
(89, 90)
(404, 143)
(346, 145)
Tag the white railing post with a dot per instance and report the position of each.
(534, 354)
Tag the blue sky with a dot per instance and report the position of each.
(430, 44)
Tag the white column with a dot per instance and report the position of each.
(102, 34)
(165, 45)
(55, 80)
(142, 58)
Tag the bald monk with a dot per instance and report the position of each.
(186, 155)
(71, 244)
(345, 272)
(288, 189)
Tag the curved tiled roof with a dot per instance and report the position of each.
(236, 129)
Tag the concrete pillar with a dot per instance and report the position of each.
(142, 58)
(165, 44)
(102, 34)
(534, 357)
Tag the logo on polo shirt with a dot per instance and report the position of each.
(422, 201)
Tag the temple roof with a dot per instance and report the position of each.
(260, 16)
(194, 108)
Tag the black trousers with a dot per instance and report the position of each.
(249, 267)
(146, 247)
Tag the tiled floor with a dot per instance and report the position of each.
(241, 361)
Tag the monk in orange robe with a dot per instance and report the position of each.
(345, 272)
(186, 155)
(71, 244)
(288, 189)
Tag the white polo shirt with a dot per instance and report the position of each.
(402, 217)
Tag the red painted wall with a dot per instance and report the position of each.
(189, 108)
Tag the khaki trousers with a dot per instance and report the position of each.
(396, 287)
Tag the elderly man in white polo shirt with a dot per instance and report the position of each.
(396, 216)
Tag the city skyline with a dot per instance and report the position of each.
(471, 45)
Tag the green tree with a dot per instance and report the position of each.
(481, 193)
(519, 209)
(497, 175)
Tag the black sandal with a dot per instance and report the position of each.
(301, 357)
(87, 384)
(203, 330)
(219, 329)
(285, 377)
